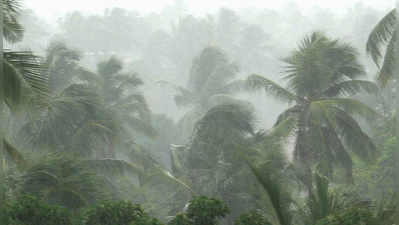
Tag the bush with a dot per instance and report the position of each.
(29, 210)
(351, 216)
(206, 211)
(119, 213)
(252, 218)
(181, 219)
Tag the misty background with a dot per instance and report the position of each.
(159, 39)
(274, 106)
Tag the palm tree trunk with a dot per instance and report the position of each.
(303, 152)
(396, 45)
(2, 105)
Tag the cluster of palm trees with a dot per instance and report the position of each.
(83, 127)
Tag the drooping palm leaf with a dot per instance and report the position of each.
(15, 155)
(274, 191)
(381, 35)
(388, 66)
(23, 69)
(257, 82)
(12, 29)
(351, 87)
(350, 106)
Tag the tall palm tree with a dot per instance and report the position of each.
(381, 46)
(320, 75)
(210, 83)
(21, 72)
(212, 161)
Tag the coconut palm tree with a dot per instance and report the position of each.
(21, 73)
(210, 83)
(320, 76)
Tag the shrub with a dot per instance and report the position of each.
(206, 211)
(118, 213)
(252, 218)
(29, 210)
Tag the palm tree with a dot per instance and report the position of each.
(20, 68)
(210, 84)
(21, 73)
(212, 160)
(320, 75)
(381, 46)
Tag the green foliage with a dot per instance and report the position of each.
(350, 216)
(382, 39)
(252, 218)
(121, 213)
(28, 210)
(206, 211)
(180, 219)
(146, 220)
(64, 181)
(321, 73)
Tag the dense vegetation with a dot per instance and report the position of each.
(81, 144)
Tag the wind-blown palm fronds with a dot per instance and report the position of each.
(64, 181)
(383, 35)
(321, 74)
(211, 76)
(22, 70)
(270, 179)
(12, 29)
(15, 155)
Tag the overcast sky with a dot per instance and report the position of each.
(55, 8)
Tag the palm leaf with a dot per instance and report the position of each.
(15, 155)
(380, 35)
(257, 82)
(12, 30)
(113, 167)
(233, 116)
(388, 67)
(351, 87)
(350, 106)
(274, 191)
(24, 67)
(353, 136)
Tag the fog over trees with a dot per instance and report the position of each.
(232, 116)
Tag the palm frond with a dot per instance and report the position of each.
(64, 181)
(113, 167)
(235, 86)
(15, 155)
(12, 29)
(318, 63)
(285, 128)
(338, 151)
(351, 87)
(380, 35)
(23, 68)
(229, 116)
(388, 67)
(139, 125)
(274, 191)
(353, 136)
(323, 203)
(257, 82)
(350, 106)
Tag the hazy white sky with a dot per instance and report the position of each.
(56, 8)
